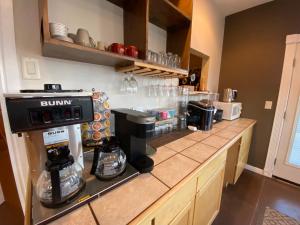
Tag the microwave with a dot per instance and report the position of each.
(231, 110)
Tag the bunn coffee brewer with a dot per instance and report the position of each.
(133, 129)
(53, 137)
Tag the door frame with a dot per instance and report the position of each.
(10, 81)
(284, 91)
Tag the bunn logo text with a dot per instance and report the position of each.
(56, 102)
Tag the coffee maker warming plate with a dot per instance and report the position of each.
(94, 188)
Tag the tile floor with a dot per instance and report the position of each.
(245, 202)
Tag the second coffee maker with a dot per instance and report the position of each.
(134, 129)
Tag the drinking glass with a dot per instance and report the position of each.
(178, 62)
(161, 87)
(169, 58)
(124, 85)
(163, 57)
(149, 55)
(155, 57)
(133, 85)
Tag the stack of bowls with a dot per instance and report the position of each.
(59, 31)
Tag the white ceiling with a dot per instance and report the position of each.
(228, 7)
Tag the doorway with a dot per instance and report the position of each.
(287, 165)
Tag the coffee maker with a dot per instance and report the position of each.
(51, 122)
(134, 129)
(200, 114)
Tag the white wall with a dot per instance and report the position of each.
(10, 80)
(207, 37)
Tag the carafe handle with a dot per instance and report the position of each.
(95, 160)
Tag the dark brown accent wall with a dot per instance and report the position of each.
(252, 61)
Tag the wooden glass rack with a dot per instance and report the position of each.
(151, 70)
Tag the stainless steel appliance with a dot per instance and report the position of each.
(200, 114)
(133, 129)
(231, 110)
(229, 95)
(49, 121)
(53, 135)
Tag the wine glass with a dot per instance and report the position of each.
(133, 84)
(124, 85)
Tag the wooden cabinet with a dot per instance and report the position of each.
(208, 199)
(243, 153)
(231, 163)
(185, 217)
(195, 202)
(237, 157)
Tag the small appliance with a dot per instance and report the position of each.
(218, 116)
(200, 114)
(50, 121)
(231, 110)
(53, 136)
(229, 95)
(134, 129)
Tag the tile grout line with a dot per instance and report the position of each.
(93, 214)
(166, 159)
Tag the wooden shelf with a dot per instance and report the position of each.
(172, 15)
(64, 50)
(151, 70)
(166, 15)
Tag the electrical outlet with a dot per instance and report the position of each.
(30, 69)
(268, 104)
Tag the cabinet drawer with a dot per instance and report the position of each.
(210, 169)
(169, 207)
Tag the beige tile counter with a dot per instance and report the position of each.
(80, 216)
(173, 170)
(121, 205)
(174, 161)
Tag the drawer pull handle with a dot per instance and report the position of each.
(153, 221)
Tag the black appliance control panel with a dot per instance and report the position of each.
(36, 113)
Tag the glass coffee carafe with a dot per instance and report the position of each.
(109, 160)
(61, 180)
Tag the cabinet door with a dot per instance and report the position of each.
(185, 217)
(208, 200)
(231, 163)
(243, 153)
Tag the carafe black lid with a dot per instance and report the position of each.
(60, 164)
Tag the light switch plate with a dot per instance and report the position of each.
(268, 104)
(30, 69)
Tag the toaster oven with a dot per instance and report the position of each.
(231, 110)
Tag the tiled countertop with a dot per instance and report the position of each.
(173, 162)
